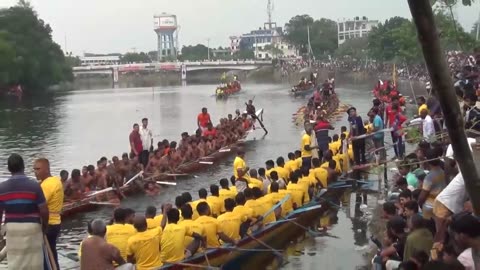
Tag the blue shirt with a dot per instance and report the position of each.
(378, 125)
(19, 199)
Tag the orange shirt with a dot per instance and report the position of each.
(204, 119)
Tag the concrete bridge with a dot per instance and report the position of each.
(183, 67)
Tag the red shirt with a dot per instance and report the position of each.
(212, 132)
(136, 140)
(321, 125)
(204, 119)
(391, 114)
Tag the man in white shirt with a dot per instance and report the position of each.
(428, 126)
(147, 142)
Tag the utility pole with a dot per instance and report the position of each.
(442, 83)
(477, 25)
(269, 13)
(208, 48)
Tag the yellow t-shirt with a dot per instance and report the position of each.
(267, 204)
(53, 190)
(283, 173)
(256, 206)
(215, 204)
(238, 163)
(193, 227)
(194, 207)
(158, 219)
(152, 223)
(254, 182)
(306, 140)
(346, 134)
(173, 241)
(299, 193)
(299, 162)
(421, 108)
(291, 166)
(212, 229)
(287, 207)
(145, 247)
(333, 146)
(118, 235)
(243, 210)
(230, 224)
(321, 175)
(369, 128)
(225, 194)
(338, 165)
(276, 197)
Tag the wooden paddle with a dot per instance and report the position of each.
(166, 183)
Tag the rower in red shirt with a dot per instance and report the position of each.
(135, 140)
(210, 131)
(203, 119)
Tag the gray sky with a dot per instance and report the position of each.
(119, 25)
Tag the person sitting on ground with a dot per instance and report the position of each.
(97, 254)
(172, 244)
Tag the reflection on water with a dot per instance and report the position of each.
(78, 128)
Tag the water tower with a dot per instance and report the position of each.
(165, 25)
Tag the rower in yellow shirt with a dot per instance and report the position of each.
(253, 181)
(275, 196)
(225, 192)
(172, 245)
(190, 225)
(283, 173)
(327, 157)
(202, 194)
(291, 164)
(298, 159)
(319, 173)
(214, 201)
(213, 230)
(265, 204)
(299, 193)
(230, 222)
(240, 168)
(143, 248)
(335, 144)
(241, 209)
(119, 232)
(150, 214)
(270, 167)
(256, 206)
(343, 130)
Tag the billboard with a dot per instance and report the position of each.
(165, 22)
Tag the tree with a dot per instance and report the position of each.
(194, 53)
(244, 54)
(381, 43)
(135, 58)
(37, 61)
(323, 34)
(355, 48)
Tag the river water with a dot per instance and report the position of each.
(79, 127)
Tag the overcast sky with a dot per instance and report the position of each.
(105, 26)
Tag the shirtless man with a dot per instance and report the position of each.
(151, 189)
(211, 144)
(113, 174)
(97, 254)
(198, 150)
(154, 163)
(176, 157)
(164, 163)
(86, 179)
(332, 173)
(101, 174)
(184, 140)
(74, 187)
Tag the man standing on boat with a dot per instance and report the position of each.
(147, 143)
(135, 141)
(53, 190)
(26, 217)
(203, 119)
(240, 171)
(306, 147)
(356, 129)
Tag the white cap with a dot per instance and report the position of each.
(449, 153)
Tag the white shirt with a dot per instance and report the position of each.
(466, 259)
(146, 136)
(454, 195)
(427, 125)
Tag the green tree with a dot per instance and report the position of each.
(38, 61)
(135, 58)
(323, 34)
(381, 43)
(244, 54)
(355, 48)
(194, 53)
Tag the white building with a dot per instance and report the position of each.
(100, 60)
(235, 43)
(356, 28)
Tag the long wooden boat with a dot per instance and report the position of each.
(297, 91)
(223, 93)
(276, 235)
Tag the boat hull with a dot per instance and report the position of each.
(231, 91)
(303, 92)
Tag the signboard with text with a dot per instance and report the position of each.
(165, 23)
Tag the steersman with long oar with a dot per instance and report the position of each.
(252, 112)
